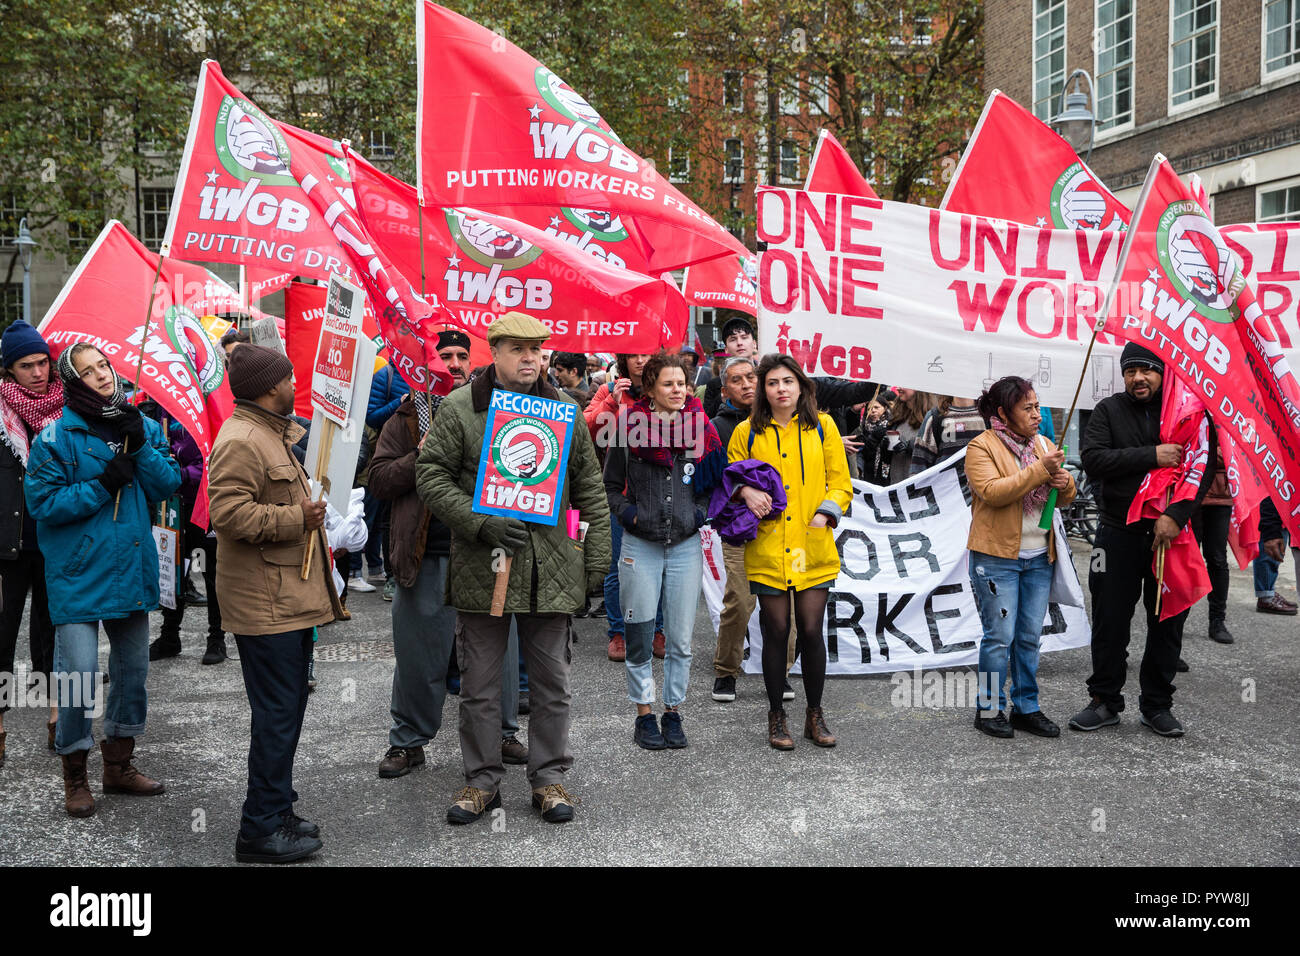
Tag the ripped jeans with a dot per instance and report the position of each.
(650, 574)
(1012, 596)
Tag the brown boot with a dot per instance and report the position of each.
(76, 791)
(815, 729)
(119, 775)
(777, 736)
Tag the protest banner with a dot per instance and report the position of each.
(523, 465)
(946, 303)
(494, 128)
(1195, 309)
(266, 333)
(181, 367)
(166, 540)
(484, 264)
(903, 596)
(345, 443)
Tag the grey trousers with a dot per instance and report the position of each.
(481, 643)
(423, 631)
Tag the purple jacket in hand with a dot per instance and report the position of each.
(729, 516)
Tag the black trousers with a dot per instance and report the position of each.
(1121, 573)
(19, 576)
(197, 540)
(1210, 525)
(275, 677)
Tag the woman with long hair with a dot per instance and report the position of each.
(793, 560)
(946, 430)
(888, 445)
(1011, 470)
(658, 488)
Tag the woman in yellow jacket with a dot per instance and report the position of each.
(1011, 469)
(794, 555)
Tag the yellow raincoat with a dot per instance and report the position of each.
(815, 473)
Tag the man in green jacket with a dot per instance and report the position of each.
(550, 576)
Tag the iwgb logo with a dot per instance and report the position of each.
(249, 144)
(1080, 202)
(1193, 257)
(191, 341)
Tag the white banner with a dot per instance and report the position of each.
(903, 598)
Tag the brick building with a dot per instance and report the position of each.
(1212, 84)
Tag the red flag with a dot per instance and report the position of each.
(1191, 305)
(482, 265)
(262, 282)
(728, 282)
(1016, 168)
(495, 128)
(183, 370)
(832, 170)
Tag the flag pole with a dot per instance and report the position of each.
(139, 364)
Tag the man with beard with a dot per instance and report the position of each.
(423, 623)
(1121, 445)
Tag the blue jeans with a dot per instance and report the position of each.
(613, 613)
(76, 673)
(1012, 596)
(648, 572)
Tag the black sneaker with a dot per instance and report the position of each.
(282, 846)
(1162, 722)
(646, 733)
(1182, 666)
(724, 689)
(216, 652)
(1219, 633)
(671, 728)
(995, 726)
(1035, 723)
(164, 648)
(787, 692)
(1093, 717)
(300, 826)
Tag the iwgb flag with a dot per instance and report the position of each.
(107, 302)
(482, 265)
(727, 282)
(1015, 167)
(1189, 303)
(495, 128)
(1182, 422)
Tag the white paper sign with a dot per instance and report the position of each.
(333, 375)
(165, 542)
(341, 469)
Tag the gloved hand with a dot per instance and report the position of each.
(595, 582)
(132, 425)
(118, 472)
(509, 534)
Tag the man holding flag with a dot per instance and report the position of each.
(1120, 447)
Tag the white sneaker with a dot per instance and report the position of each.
(360, 585)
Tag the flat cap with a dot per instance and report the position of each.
(518, 325)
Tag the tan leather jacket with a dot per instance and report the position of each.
(998, 486)
(255, 490)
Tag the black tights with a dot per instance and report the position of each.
(774, 622)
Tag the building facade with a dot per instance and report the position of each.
(1212, 84)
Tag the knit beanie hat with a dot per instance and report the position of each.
(19, 341)
(255, 370)
(1135, 356)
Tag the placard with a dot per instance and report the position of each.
(525, 456)
(333, 376)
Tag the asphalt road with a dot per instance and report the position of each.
(904, 786)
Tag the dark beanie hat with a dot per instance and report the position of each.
(1135, 356)
(255, 370)
(453, 338)
(19, 341)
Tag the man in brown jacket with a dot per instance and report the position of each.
(263, 515)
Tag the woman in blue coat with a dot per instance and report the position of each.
(93, 478)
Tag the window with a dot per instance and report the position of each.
(11, 302)
(733, 170)
(921, 31)
(1281, 35)
(85, 219)
(379, 146)
(1114, 63)
(732, 95)
(154, 207)
(789, 160)
(680, 99)
(679, 164)
(822, 94)
(1049, 56)
(788, 98)
(1193, 50)
(11, 211)
(894, 104)
(1281, 203)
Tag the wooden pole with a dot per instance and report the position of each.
(500, 586)
(1160, 577)
(322, 465)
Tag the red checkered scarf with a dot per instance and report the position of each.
(34, 411)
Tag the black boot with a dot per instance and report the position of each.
(1219, 632)
(216, 652)
(165, 646)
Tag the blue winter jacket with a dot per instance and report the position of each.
(96, 569)
(386, 391)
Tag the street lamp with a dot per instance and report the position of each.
(1076, 122)
(26, 244)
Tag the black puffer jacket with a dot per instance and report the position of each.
(651, 501)
(17, 529)
(1119, 448)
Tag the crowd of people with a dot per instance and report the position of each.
(750, 446)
